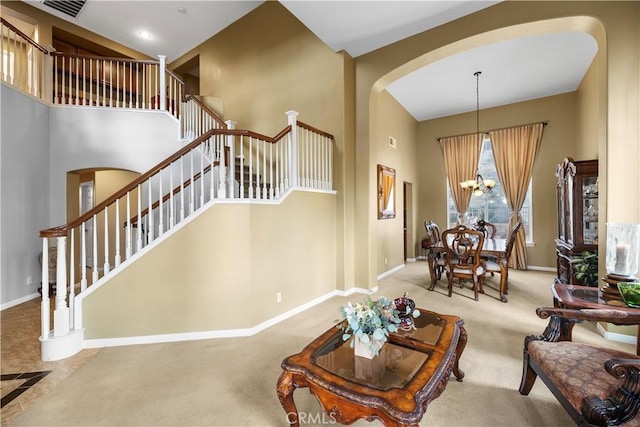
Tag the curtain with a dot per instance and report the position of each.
(514, 151)
(461, 155)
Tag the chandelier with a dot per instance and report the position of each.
(479, 186)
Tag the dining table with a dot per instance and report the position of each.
(494, 248)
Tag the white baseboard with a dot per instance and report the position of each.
(229, 333)
(614, 336)
(390, 272)
(538, 268)
(19, 301)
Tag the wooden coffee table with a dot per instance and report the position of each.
(396, 387)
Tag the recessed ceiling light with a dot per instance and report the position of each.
(144, 35)
(182, 10)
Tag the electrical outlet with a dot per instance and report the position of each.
(386, 261)
(279, 297)
(29, 280)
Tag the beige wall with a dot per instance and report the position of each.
(388, 233)
(615, 27)
(268, 63)
(559, 141)
(215, 274)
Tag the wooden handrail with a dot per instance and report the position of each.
(106, 58)
(315, 130)
(209, 111)
(23, 35)
(62, 230)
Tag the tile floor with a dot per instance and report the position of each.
(25, 377)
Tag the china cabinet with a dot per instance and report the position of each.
(577, 198)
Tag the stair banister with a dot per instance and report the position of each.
(293, 148)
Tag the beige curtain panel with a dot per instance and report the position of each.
(515, 150)
(461, 156)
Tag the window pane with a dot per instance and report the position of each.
(492, 206)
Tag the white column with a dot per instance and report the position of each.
(45, 307)
(61, 311)
(293, 147)
(163, 82)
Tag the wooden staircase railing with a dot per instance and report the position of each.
(142, 212)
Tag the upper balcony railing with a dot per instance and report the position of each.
(67, 79)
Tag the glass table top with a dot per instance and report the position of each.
(394, 367)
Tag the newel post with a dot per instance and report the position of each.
(232, 161)
(293, 147)
(61, 311)
(163, 82)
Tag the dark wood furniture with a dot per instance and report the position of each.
(496, 249)
(577, 198)
(463, 260)
(487, 228)
(587, 297)
(396, 387)
(595, 385)
(501, 264)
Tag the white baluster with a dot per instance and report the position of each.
(128, 249)
(94, 276)
(150, 214)
(160, 212)
(172, 220)
(72, 279)
(107, 267)
(163, 83)
(293, 147)
(192, 181)
(45, 304)
(118, 257)
(140, 224)
(271, 166)
(202, 180)
(83, 256)
(181, 160)
(61, 311)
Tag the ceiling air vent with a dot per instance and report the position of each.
(68, 7)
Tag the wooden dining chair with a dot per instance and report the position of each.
(463, 261)
(493, 265)
(435, 251)
(488, 229)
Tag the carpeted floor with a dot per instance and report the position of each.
(232, 382)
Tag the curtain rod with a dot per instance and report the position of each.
(544, 123)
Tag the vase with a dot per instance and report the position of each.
(368, 350)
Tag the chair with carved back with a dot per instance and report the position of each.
(492, 265)
(435, 251)
(487, 228)
(463, 260)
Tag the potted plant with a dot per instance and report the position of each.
(585, 268)
(370, 323)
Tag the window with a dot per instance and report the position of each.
(492, 206)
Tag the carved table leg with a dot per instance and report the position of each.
(285, 394)
(462, 342)
(504, 277)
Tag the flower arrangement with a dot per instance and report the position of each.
(372, 321)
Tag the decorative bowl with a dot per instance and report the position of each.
(630, 292)
(405, 306)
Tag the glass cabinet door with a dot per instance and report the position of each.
(589, 188)
(570, 209)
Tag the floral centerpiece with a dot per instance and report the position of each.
(370, 322)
